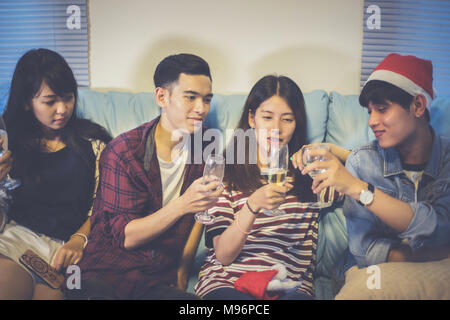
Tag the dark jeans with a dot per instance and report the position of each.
(94, 290)
(164, 292)
(233, 294)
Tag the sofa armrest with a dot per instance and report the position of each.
(189, 252)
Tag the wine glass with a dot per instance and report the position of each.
(277, 171)
(213, 171)
(307, 159)
(8, 183)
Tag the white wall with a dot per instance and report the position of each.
(317, 43)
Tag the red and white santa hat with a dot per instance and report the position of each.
(412, 74)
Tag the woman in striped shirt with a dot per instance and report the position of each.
(243, 238)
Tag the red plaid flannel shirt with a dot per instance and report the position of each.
(130, 188)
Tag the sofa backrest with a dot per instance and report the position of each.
(347, 124)
(440, 115)
(122, 111)
(118, 112)
(334, 118)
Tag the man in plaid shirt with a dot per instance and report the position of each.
(149, 189)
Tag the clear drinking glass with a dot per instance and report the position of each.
(307, 159)
(278, 168)
(8, 183)
(213, 171)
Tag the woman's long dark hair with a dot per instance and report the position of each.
(246, 177)
(25, 132)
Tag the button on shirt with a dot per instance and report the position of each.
(370, 240)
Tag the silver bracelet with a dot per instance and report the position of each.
(83, 236)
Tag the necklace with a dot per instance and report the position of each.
(53, 145)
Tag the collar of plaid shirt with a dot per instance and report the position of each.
(147, 152)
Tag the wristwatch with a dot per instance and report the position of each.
(366, 195)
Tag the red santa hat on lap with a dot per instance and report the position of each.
(412, 74)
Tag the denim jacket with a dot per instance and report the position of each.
(370, 240)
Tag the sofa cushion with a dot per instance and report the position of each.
(117, 111)
(398, 280)
(347, 122)
(316, 105)
(225, 111)
(440, 115)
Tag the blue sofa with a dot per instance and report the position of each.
(332, 117)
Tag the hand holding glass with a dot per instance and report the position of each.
(213, 171)
(8, 183)
(278, 168)
(307, 158)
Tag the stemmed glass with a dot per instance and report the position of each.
(8, 183)
(213, 171)
(307, 159)
(278, 168)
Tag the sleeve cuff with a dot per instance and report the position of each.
(422, 225)
(118, 224)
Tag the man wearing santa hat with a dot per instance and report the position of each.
(397, 187)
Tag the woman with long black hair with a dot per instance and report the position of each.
(55, 155)
(244, 240)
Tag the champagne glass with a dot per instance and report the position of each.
(278, 168)
(213, 171)
(307, 159)
(8, 183)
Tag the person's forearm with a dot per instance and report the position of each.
(229, 244)
(339, 152)
(85, 228)
(143, 230)
(393, 212)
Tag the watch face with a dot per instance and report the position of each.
(366, 197)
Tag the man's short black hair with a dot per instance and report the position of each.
(170, 68)
(380, 92)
